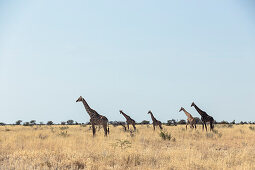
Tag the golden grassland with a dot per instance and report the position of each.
(73, 147)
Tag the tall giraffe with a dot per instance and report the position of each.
(128, 120)
(190, 119)
(204, 117)
(155, 122)
(95, 118)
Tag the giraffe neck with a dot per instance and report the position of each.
(88, 109)
(126, 116)
(187, 113)
(199, 110)
(152, 117)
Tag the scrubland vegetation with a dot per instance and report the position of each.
(73, 147)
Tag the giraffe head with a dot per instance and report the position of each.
(181, 109)
(121, 112)
(79, 99)
(149, 112)
(192, 104)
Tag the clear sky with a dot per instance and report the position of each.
(130, 55)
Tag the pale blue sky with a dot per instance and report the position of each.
(130, 55)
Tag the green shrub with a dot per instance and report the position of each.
(165, 135)
(252, 128)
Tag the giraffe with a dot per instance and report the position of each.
(204, 117)
(190, 119)
(155, 122)
(128, 120)
(95, 118)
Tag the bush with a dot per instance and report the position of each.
(18, 122)
(26, 124)
(32, 122)
(50, 123)
(233, 122)
(64, 128)
(117, 123)
(223, 122)
(252, 128)
(165, 135)
(2, 124)
(70, 122)
(209, 135)
(182, 122)
(171, 122)
(63, 134)
(198, 121)
(145, 122)
(243, 122)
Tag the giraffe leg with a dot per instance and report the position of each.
(186, 125)
(205, 127)
(160, 126)
(134, 126)
(195, 126)
(191, 126)
(93, 129)
(105, 129)
(211, 125)
(128, 125)
(154, 126)
(108, 129)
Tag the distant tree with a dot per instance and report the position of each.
(32, 122)
(18, 122)
(233, 122)
(50, 123)
(116, 123)
(2, 124)
(171, 122)
(76, 123)
(26, 124)
(223, 122)
(63, 123)
(198, 121)
(145, 122)
(70, 122)
(181, 122)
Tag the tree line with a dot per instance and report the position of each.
(171, 122)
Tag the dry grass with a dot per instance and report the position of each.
(73, 147)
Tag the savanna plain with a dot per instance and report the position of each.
(74, 147)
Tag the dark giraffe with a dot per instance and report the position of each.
(95, 118)
(204, 117)
(128, 120)
(190, 119)
(155, 122)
